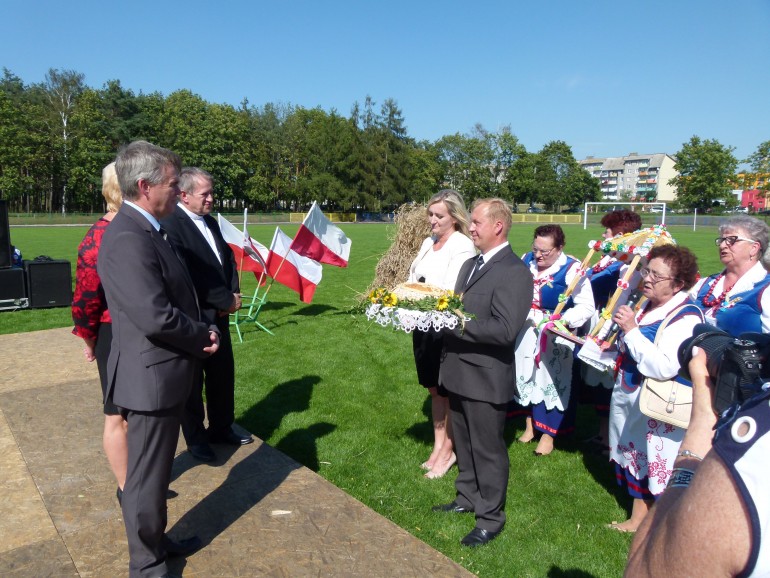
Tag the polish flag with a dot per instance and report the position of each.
(298, 273)
(250, 255)
(318, 239)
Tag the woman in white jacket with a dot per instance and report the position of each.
(438, 263)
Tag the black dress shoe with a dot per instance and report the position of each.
(452, 508)
(230, 438)
(202, 452)
(479, 537)
(182, 547)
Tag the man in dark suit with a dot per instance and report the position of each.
(211, 263)
(477, 368)
(158, 342)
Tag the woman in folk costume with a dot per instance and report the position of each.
(604, 280)
(736, 300)
(544, 361)
(643, 448)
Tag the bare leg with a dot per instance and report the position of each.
(116, 447)
(639, 510)
(545, 446)
(529, 432)
(439, 415)
(442, 430)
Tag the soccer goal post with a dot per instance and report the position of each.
(615, 204)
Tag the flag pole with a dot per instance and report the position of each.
(278, 270)
(243, 244)
(291, 245)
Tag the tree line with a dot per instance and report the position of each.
(56, 136)
(707, 173)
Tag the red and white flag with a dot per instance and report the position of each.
(250, 255)
(298, 273)
(321, 241)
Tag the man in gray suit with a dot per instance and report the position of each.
(211, 263)
(158, 342)
(477, 368)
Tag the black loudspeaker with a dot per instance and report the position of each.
(11, 286)
(49, 283)
(5, 237)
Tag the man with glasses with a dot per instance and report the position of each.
(196, 235)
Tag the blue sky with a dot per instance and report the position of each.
(607, 77)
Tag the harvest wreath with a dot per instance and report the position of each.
(416, 306)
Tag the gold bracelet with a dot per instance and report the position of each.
(689, 454)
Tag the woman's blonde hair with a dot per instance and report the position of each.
(456, 207)
(111, 188)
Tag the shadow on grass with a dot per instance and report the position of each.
(423, 431)
(556, 572)
(301, 444)
(277, 305)
(312, 310)
(264, 418)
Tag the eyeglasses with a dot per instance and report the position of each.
(654, 277)
(730, 240)
(542, 253)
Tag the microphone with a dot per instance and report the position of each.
(633, 299)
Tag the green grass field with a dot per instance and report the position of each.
(339, 395)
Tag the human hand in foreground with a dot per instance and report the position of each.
(235, 306)
(702, 391)
(214, 347)
(624, 317)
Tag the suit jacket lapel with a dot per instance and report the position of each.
(219, 241)
(486, 267)
(164, 246)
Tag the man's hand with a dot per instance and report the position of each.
(236, 303)
(702, 390)
(212, 349)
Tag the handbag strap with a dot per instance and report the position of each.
(673, 314)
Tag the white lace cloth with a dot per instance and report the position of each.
(409, 320)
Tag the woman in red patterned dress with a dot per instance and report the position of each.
(94, 325)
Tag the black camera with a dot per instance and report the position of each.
(735, 364)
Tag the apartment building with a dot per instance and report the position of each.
(635, 177)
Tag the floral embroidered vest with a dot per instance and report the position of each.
(632, 377)
(604, 283)
(742, 313)
(549, 292)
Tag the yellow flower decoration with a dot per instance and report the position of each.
(390, 300)
(443, 303)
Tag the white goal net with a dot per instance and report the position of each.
(606, 206)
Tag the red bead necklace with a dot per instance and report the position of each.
(645, 311)
(598, 268)
(709, 300)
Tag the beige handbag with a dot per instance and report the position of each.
(668, 401)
